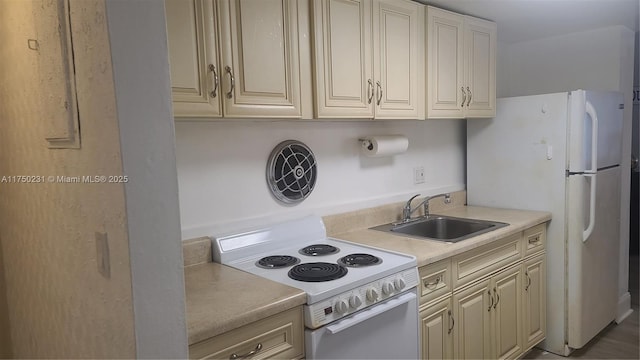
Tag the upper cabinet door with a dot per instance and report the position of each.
(195, 73)
(446, 95)
(398, 48)
(260, 68)
(344, 84)
(480, 68)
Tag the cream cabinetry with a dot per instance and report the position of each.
(368, 59)
(234, 58)
(280, 336)
(461, 65)
(437, 330)
(488, 302)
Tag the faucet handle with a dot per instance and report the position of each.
(410, 200)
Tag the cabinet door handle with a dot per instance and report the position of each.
(432, 285)
(526, 288)
(379, 90)
(214, 92)
(369, 91)
(452, 321)
(233, 81)
(534, 239)
(491, 298)
(464, 96)
(470, 96)
(250, 353)
(497, 298)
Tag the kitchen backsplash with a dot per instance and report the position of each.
(221, 169)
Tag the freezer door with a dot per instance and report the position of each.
(592, 268)
(591, 110)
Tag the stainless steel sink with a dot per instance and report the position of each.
(442, 228)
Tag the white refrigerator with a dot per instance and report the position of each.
(559, 153)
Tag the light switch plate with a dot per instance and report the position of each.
(418, 175)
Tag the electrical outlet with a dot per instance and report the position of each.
(418, 175)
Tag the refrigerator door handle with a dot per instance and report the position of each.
(591, 111)
(592, 209)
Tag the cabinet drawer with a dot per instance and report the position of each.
(477, 263)
(535, 239)
(278, 336)
(435, 280)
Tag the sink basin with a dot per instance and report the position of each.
(442, 228)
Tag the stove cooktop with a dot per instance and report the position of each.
(298, 254)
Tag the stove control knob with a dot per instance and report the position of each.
(387, 288)
(355, 301)
(372, 294)
(342, 306)
(399, 284)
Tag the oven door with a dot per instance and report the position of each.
(389, 330)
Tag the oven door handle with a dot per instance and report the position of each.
(367, 314)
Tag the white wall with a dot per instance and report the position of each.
(137, 34)
(599, 59)
(221, 168)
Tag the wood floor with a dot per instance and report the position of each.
(616, 341)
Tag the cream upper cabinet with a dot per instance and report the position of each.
(480, 67)
(234, 58)
(195, 74)
(398, 59)
(259, 58)
(368, 59)
(461, 62)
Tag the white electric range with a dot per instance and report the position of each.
(358, 297)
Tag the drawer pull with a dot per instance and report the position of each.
(432, 285)
(250, 353)
(534, 239)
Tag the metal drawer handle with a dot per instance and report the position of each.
(534, 240)
(464, 96)
(470, 96)
(369, 91)
(233, 81)
(452, 321)
(250, 353)
(526, 288)
(434, 284)
(379, 93)
(490, 297)
(497, 298)
(214, 92)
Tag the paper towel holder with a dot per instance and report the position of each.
(366, 143)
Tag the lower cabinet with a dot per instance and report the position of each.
(535, 320)
(500, 315)
(436, 322)
(279, 336)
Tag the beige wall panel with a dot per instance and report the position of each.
(59, 304)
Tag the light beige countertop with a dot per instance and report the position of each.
(430, 251)
(220, 298)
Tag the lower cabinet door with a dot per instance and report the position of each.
(535, 305)
(472, 308)
(507, 308)
(437, 324)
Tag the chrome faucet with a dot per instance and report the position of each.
(407, 211)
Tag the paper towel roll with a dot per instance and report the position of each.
(386, 145)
